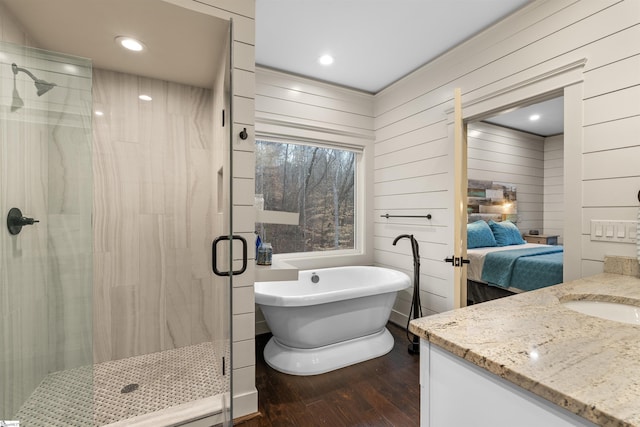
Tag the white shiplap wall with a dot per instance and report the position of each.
(505, 155)
(297, 107)
(588, 46)
(554, 186)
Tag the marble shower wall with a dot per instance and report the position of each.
(154, 216)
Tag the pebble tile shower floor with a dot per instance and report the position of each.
(93, 396)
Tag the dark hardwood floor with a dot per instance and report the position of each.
(381, 392)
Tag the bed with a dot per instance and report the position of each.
(501, 269)
(511, 269)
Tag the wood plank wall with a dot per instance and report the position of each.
(499, 154)
(553, 222)
(298, 107)
(412, 140)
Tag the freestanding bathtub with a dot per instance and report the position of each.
(329, 318)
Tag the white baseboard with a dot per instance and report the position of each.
(398, 318)
(245, 403)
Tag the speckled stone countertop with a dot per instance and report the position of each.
(587, 365)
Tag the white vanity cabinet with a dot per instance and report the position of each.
(457, 393)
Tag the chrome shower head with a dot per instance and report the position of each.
(42, 86)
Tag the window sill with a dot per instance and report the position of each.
(277, 217)
(313, 260)
(278, 271)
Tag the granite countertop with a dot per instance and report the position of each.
(587, 365)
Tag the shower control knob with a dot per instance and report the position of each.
(15, 221)
(26, 221)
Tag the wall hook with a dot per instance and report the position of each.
(243, 134)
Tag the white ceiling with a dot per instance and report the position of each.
(551, 121)
(374, 42)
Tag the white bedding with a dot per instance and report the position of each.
(476, 258)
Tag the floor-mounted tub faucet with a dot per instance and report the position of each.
(416, 308)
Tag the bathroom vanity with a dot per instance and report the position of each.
(532, 359)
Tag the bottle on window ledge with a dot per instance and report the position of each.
(258, 243)
(265, 252)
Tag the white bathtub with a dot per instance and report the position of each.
(336, 322)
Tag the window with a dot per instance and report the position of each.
(315, 181)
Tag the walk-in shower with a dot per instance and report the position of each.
(110, 311)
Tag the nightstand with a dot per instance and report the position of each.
(541, 239)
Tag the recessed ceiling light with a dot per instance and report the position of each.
(145, 97)
(534, 117)
(326, 60)
(129, 43)
(99, 113)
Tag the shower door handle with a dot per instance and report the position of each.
(214, 255)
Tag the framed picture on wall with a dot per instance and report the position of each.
(491, 200)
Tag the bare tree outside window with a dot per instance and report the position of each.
(316, 182)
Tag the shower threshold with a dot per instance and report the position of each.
(210, 408)
(158, 389)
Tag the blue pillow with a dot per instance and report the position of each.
(479, 235)
(506, 233)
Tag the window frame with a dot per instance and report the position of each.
(359, 200)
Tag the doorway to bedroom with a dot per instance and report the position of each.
(515, 183)
(519, 153)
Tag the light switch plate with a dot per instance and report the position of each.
(613, 231)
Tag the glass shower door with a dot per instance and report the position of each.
(223, 245)
(46, 238)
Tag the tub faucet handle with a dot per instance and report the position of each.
(315, 278)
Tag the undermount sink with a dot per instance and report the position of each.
(619, 312)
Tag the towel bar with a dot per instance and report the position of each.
(428, 216)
